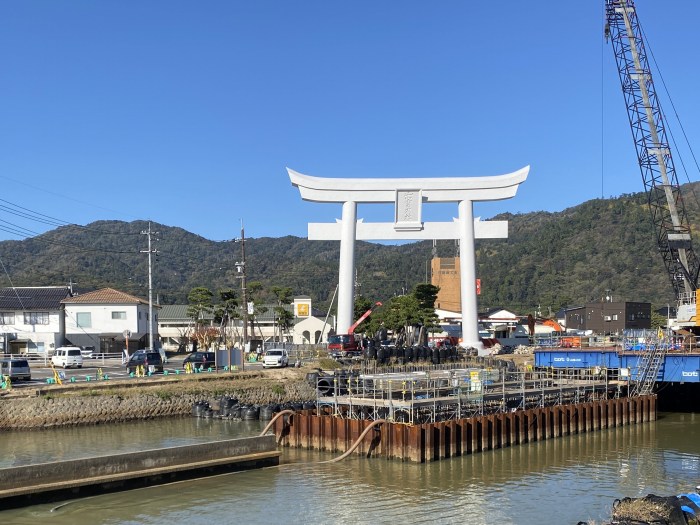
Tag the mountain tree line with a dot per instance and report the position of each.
(550, 260)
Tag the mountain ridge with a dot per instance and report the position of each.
(550, 259)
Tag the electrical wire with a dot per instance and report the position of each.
(602, 109)
(26, 213)
(12, 284)
(675, 112)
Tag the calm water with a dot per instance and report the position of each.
(561, 481)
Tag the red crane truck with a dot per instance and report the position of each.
(348, 345)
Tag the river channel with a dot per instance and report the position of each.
(559, 481)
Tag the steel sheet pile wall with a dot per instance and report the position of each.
(445, 439)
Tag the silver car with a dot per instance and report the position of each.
(15, 369)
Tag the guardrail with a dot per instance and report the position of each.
(36, 357)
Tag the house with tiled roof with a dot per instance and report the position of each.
(106, 319)
(31, 319)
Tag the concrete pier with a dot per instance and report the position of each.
(61, 480)
(446, 439)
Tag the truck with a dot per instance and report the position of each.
(349, 344)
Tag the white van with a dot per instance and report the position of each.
(67, 356)
(276, 357)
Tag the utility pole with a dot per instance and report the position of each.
(150, 251)
(240, 267)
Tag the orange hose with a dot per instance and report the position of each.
(357, 442)
(272, 421)
(347, 452)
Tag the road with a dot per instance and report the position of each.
(112, 367)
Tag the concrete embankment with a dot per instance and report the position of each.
(105, 402)
(31, 484)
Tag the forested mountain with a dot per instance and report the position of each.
(549, 260)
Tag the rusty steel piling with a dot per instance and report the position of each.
(433, 441)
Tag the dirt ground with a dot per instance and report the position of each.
(521, 361)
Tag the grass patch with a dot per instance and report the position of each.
(92, 393)
(164, 395)
(326, 363)
(641, 510)
(278, 389)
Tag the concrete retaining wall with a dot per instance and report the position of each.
(77, 469)
(32, 484)
(84, 408)
(81, 410)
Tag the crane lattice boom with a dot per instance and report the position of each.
(653, 152)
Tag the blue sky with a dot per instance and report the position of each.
(187, 113)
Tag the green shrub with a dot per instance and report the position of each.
(326, 363)
(164, 395)
(278, 389)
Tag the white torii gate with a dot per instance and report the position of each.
(408, 196)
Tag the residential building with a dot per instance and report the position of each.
(609, 317)
(31, 319)
(109, 321)
(500, 322)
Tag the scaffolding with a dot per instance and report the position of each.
(442, 395)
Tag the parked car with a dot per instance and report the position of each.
(145, 358)
(67, 356)
(16, 369)
(275, 358)
(200, 359)
(88, 352)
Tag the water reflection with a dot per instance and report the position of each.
(23, 448)
(550, 482)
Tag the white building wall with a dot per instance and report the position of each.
(40, 337)
(101, 320)
(304, 332)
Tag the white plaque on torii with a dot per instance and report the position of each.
(408, 196)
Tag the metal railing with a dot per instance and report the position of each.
(441, 395)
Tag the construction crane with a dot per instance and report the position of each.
(348, 344)
(654, 155)
(364, 316)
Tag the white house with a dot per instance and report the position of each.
(499, 322)
(31, 319)
(106, 318)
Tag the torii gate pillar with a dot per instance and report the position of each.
(408, 196)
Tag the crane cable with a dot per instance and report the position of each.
(677, 118)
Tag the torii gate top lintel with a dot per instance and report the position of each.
(438, 189)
